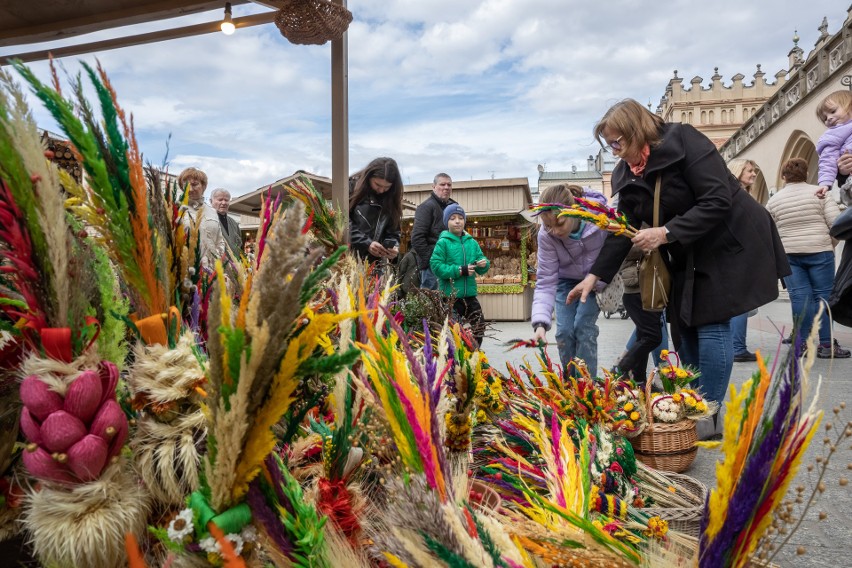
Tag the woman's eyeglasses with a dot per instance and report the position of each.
(616, 144)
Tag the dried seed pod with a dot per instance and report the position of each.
(61, 430)
(37, 396)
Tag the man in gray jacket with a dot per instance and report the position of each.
(428, 225)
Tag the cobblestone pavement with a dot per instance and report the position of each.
(826, 542)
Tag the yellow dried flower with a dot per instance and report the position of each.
(657, 527)
(628, 407)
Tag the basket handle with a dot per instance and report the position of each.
(648, 410)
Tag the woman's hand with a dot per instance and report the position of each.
(393, 252)
(650, 239)
(540, 334)
(376, 249)
(582, 290)
(844, 164)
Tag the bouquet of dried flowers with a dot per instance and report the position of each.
(678, 401)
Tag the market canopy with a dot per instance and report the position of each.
(24, 22)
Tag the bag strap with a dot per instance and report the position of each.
(657, 200)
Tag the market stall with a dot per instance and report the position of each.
(494, 219)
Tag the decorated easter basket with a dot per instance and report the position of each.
(666, 447)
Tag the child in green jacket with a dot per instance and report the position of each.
(455, 261)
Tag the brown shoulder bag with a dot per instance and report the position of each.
(655, 281)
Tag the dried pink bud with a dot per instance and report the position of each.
(61, 430)
(88, 457)
(83, 397)
(37, 396)
(30, 427)
(42, 465)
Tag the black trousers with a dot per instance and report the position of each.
(470, 311)
(649, 334)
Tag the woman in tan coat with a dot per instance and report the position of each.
(804, 221)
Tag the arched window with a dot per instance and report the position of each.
(689, 117)
(703, 117)
(724, 116)
(712, 117)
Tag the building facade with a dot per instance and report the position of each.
(786, 126)
(718, 110)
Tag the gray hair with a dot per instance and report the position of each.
(218, 191)
(439, 176)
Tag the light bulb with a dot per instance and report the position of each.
(227, 26)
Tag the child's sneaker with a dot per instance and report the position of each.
(837, 352)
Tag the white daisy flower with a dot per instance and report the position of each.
(237, 542)
(181, 526)
(209, 544)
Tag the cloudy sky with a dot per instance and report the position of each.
(476, 88)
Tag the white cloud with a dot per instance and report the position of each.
(469, 87)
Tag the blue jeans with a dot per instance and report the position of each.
(664, 344)
(810, 282)
(710, 349)
(576, 327)
(739, 330)
(428, 280)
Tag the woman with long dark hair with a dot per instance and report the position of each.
(375, 210)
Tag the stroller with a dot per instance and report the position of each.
(609, 299)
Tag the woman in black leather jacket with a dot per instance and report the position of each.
(375, 210)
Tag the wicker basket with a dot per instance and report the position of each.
(666, 447)
(686, 520)
(312, 22)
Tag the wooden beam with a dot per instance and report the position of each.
(340, 123)
(127, 41)
(100, 16)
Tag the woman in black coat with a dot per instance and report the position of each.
(721, 246)
(375, 210)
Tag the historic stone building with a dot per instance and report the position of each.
(718, 110)
(786, 126)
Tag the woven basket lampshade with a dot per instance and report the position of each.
(312, 22)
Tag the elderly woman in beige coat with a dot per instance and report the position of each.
(804, 221)
(211, 240)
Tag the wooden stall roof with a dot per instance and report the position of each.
(28, 21)
(249, 204)
(481, 197)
